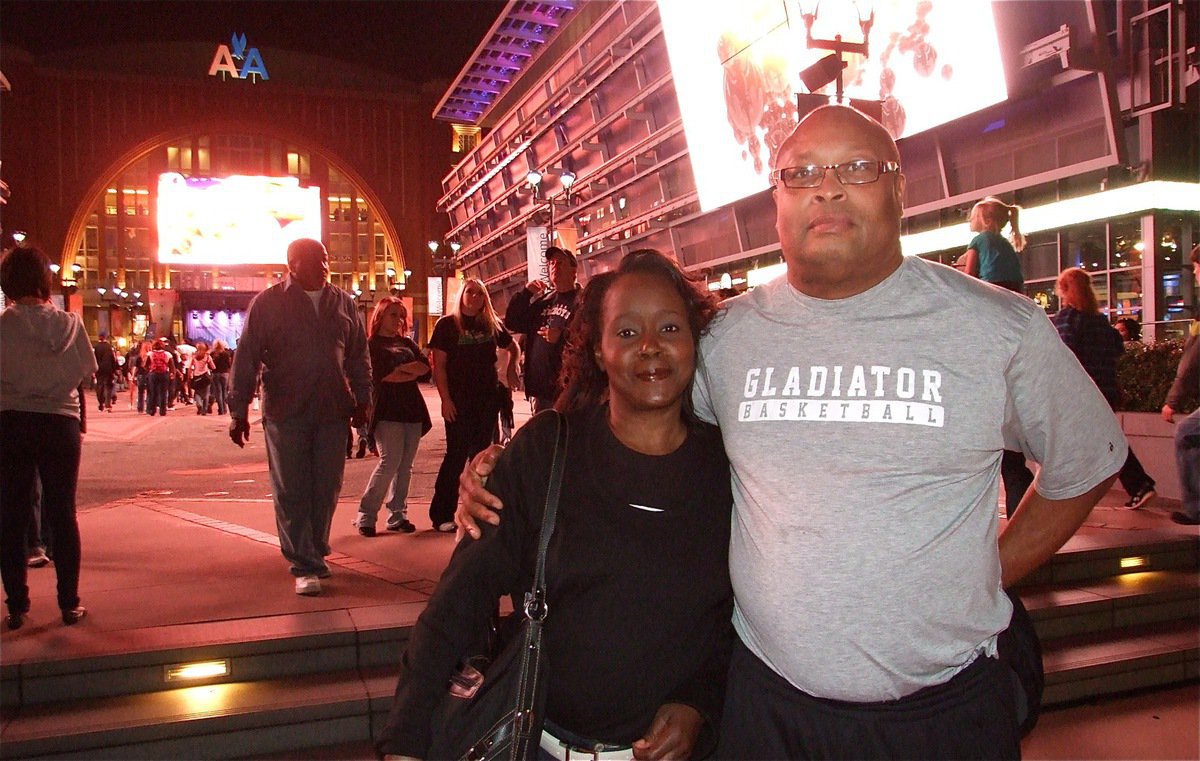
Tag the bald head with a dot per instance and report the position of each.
(840, 236)
(847, 121)
(308, 263)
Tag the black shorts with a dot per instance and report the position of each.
(973, 716)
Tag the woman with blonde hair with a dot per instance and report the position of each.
(399, 417)
(989, 256)
(1097, 345)
(200, 371)
(464, 345)
(994, 260)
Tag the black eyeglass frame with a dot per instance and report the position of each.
(883, 167)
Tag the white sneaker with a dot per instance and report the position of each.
(447, 527)
(308, 585)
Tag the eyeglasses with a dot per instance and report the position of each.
(849, 173)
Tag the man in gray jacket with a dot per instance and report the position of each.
(308, 339)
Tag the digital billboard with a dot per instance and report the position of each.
(233, 220)
(737, 69)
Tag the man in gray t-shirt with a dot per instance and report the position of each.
(865, 401)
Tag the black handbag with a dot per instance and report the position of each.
(498, 714)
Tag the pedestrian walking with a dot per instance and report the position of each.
(45, 357)
(307, 338)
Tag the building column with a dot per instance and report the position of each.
(1152, 295)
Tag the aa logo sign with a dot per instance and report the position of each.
(225, 61)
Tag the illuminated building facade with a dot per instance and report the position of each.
(87, 135)
(603, 131)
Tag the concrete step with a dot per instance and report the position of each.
(275, 717)
(227, 720)
(1083, 560)
(325, 679)
(1060, 610)
(254, 649)
(1134, 657)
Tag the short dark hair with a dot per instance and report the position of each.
(1132, 327)
(26, 272)
(584, 382)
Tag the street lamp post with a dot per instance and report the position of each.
(830, 68)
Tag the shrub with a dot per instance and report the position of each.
(1145, 374)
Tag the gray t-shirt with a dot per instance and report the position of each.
(865, 437)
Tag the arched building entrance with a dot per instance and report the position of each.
(86, 137)
(110, 251)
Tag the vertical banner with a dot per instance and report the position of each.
(537, 240)
(567, 237)
(162, 310)
(437, 303)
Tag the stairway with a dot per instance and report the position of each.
(1118, 618)
(1112, 619)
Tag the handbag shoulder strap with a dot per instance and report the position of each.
(535, 601)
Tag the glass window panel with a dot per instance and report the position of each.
(1040, 257)
(1126, 294)
(1100, 286)
(1125, 237)
(1085, 247)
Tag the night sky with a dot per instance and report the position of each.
(417, 39)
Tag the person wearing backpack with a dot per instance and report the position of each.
(161, 366)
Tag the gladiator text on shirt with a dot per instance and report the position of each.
(844, 394)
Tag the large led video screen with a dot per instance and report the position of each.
(737, 70)
(233, 220)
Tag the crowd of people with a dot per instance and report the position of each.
(705, 441)
(160, 375)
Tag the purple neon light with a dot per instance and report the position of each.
(514, 40)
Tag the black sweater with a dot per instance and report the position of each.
(398, 402)
(638, 585)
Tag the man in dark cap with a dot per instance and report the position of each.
(542, 311)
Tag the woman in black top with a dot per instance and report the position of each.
(637, 638)
(399, 418)
(464, 368)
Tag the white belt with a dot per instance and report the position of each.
(563, 752)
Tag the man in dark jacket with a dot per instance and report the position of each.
(542, 311)
(106, 368)
(307, 339)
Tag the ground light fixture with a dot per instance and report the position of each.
(195, 671)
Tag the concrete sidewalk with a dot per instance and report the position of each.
(201, 547)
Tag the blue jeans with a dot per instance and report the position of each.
(1187, 459)
(143, 390)
(33, 444)
(159, 387)
(218, 390)
(306, 459)
(397, 444)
